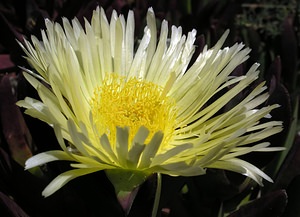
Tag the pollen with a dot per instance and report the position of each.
(122, 102)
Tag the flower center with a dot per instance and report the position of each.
(133, 103)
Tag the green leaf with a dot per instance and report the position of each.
(126, 185)
(125, 180)
(290, 137)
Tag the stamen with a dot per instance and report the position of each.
(133, 103)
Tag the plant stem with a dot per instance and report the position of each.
(157, 196)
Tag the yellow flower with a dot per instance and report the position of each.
(137, 110)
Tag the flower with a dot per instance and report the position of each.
(137, 110)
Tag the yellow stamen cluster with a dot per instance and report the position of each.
(121, 102)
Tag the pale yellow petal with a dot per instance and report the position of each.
(64, 178)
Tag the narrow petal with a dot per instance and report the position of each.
(135, 154)
(36, 109)
(89, 166)
(137, 146)
(64, 178)
(151, 24)
(182, 169)
(159, 53)
(47, 157)
(98, 158)
(75, 139)
(262, 147)
(104, 141)
(141, 135)
(122, 144)
(129, 42)
(139, 61)
(151, 150)
(119, 55)
(170, 154)
(242, 167)
(106, 55)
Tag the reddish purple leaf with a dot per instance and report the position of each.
(14, 127)
(5, 63)
(273, 204)
(12, 208)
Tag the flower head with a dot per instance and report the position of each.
(140, 110)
